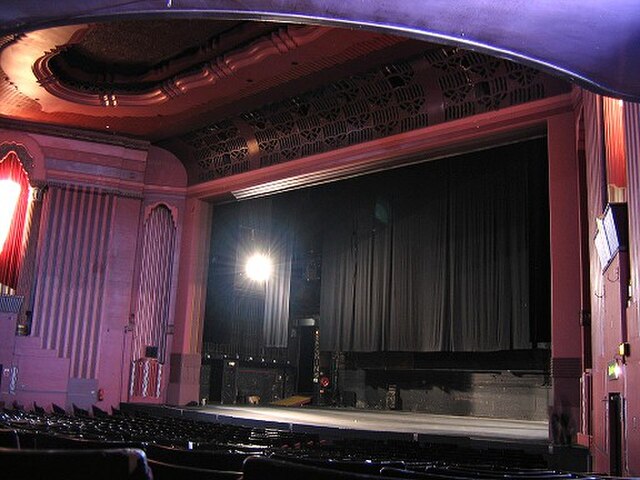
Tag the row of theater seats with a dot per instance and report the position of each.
(55, 446)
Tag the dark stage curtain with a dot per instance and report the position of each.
(242, 314)
(435, 257)
(278, 288)
(235, 309)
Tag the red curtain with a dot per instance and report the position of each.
(614, 141)
(13, 250)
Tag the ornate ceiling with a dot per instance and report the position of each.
(157, 79)
(589, 42)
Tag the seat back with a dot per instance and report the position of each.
(262, 468)
(121, 464)
(355, 466)
(226, 460)
(167, 471)
(9, 438)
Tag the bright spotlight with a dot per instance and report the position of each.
(259, 267)
(9, 195)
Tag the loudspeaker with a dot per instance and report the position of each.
(222, 383)
(229, 393)
(205, 378)
(307, 359)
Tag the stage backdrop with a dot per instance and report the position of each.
(438, 257)
(445, 255)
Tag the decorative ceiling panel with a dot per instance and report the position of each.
(64, 76)
(442, 84)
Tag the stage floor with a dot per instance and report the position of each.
(398, 424)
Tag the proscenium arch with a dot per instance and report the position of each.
(589, 42)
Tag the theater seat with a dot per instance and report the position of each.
(122, 464)
(226, 460)
(368, 467)
(399, 473)
(9, 438)
(261, 468)
(56, 409)
(167, 471)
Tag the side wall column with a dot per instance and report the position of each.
(184, 380)
(566, 349)
(114, 368)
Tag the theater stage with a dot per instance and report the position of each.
(346, 422)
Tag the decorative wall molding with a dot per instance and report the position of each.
(149, 208)
(96, 190)
(11, 303)
(155, 279)
(72, 273)
(23, 155)
(438, 86)
(74, 134)
(396, 150)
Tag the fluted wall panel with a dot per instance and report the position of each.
(596, 184)
(632, 134)
(152, 313)
(71, 274)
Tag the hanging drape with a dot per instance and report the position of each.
(242, 314)
(275, 326)
(440, 263)
(14, 217)
(632, 132)
(419, 300)
(595, 162)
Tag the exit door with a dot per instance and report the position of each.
(616, 423)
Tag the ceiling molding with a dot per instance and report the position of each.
(231, 64)
(74, 133)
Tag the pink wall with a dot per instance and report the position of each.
(566, 346)
(632, 368)
(614, 316)
(88, 266)
(184, 383)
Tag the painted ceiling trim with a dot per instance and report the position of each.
(590, 42)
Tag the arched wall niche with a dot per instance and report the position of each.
(27, 151)
(151, 207)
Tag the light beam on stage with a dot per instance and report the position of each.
(259, 267)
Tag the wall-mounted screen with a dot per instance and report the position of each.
(611, 235)
(602, 246)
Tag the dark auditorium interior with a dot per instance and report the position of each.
(319, 240)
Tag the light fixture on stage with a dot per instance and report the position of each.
(614, 370)
(258, 267)
(9, 195)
